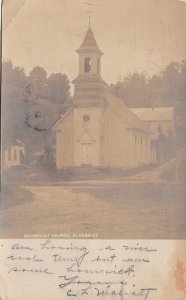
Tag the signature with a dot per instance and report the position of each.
(101, 288)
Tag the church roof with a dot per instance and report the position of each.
(89, 43)
(128, 117)
(55, 126)
(154, 114)
(126, 114)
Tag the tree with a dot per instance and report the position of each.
(132, 90)
(31, 105)
(14, 105)
(164, 89)
(38, 86)
(58, 88)
(14, 82)
(155, 91)
(170, 81)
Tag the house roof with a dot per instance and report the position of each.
(10, 142)
(89, 43)
(19, 142)
(154, 114)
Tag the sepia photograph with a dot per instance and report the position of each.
(93, 109)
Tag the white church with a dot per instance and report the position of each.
(99, 130)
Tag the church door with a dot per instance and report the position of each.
(86, 154)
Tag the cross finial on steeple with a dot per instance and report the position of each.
(89, 3)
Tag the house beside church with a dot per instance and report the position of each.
(14, 154)
(99, 129)
(159, 120)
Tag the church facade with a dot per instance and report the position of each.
(99, 130)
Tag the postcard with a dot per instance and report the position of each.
(93, 150)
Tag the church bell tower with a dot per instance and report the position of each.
(89, 55)
(89, 86)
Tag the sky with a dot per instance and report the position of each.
(135, 35)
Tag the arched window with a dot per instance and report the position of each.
(87, 64)
(98, 66)
(141, 147)
(15, 154)
(146, 147)
(9, 154)
(135, 146)
(86, 118)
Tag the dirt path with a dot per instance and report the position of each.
(128, 210)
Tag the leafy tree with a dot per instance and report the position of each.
(14, 106)
(58, 88)
(38, 86)
(155, 92)
(29, 105)
(132, 90)
(174, 81)
(14, 82)
(47, 98)
(164, 89)
(170, 79)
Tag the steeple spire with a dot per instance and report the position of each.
(89, 44)
(90, 4)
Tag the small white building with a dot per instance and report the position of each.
(14, 154)
(158, 119)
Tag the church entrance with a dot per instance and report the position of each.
(86, 153)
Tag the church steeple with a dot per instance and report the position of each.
(89, 86)
(89, 55)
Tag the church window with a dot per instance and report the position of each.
(159, 128)
(87, 65)
(98, 68)
(146, 147)
(135, 146)
(9, 154)
(141, 147)
(86, 118)
(15, 154)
